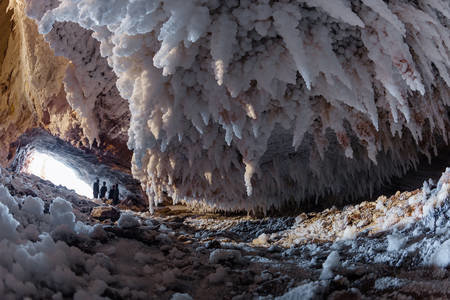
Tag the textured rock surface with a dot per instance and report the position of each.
(34, 90)
(30, 79)
(245, 104)
(105, 212)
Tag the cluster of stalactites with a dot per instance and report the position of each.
(359, 88)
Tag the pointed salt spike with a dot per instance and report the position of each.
(164, 146)
(205, 117)
(374, 119)
(228, 136)
(304, 120)
(255, 130)
(150, 200)
(349, 152)
(383, 10)
(286, 26)
(198, 129)
(440, 6)
(372, 153)
(237, 131)
(249, 171)
(337, 9)
(308, 84)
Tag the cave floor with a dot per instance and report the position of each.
(391, 248)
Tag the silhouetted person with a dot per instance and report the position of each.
(111, 192)
(96, 187)
(103, 190)
(116, 194)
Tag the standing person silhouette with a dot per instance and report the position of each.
(111, 192)
(116, 194)
(96, 188)
(103, 190)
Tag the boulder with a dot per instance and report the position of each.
(105, 212)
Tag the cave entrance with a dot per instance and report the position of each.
(50, 168)
(39, 153)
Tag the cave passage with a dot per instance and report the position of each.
(39, 153)
(50, 168)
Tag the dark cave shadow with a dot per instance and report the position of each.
(410, 181)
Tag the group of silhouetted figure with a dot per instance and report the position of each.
(113, 193)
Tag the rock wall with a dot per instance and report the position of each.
(34, 90)
(31, 77)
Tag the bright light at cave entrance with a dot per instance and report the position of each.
(48, 168)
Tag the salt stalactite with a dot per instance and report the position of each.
(88, 79)
(249, 104)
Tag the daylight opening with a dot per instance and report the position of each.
(49, 168)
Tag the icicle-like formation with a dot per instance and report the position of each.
(247, 104)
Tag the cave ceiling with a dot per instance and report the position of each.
(234, 104)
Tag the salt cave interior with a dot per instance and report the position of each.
(264, 149)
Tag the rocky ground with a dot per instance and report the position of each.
(393, 248)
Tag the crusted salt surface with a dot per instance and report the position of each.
(389, 283)
(305, 291)
(395, 242)
(219, 91)
(412, 226)
(128, 220)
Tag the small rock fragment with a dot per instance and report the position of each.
(105, 212)
(221, 255)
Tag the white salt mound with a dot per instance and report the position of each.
(8, 224)
(395, 242)
(61, 213)
(34, 206)
(7, 199)
(389, 283)
(330, 263)
(128, 220)
(441, 257)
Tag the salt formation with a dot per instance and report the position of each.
(330, 263)
(251, 104)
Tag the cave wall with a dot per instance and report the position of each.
(31, 77)
(38, 84)
(6, 28)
